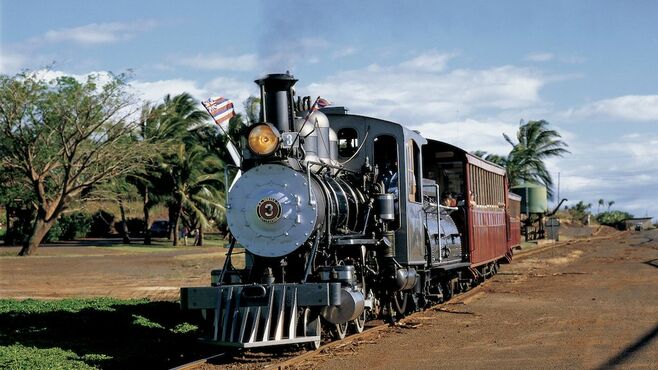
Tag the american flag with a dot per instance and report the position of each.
(321, 103)
(220, 109)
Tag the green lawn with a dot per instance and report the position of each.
(97, 333)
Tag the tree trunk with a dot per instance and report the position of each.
(147, 218)
(39, 231)
(125, 233)
(172, 221)
(177, 217)
(8, 226)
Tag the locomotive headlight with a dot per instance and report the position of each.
(263, 139)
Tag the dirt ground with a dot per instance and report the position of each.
(581, 305)
(122, 272)
(584, 305)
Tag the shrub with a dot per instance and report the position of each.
(54, 234)
(21, 227)
(69, 227)
(613, 218)
(75, 225)
(101, 224)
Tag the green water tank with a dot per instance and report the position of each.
(534, 198)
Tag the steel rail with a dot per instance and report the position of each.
(197, 363)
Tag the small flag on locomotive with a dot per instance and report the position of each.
(220, 109)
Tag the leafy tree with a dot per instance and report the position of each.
(64, 137)
(579, 211)
(252, 108)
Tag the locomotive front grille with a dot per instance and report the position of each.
(262, 315)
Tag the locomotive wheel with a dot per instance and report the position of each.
(399, 303)
(339, 331)
(308, 328)
(360, 322)
(446, 286)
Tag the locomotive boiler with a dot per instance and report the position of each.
(341, 221)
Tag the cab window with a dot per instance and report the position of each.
(348, 142)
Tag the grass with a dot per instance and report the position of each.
(97, 333)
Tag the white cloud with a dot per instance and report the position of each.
(102, 77)
(245, 62)
(471, 134)
(432, 61)
(231, 88)
(539, 56)
(543, 56)
(236, 90)
(624, 170)
(627, 107)
(431, 94)
(154, 91)
(98, 33)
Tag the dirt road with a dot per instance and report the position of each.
(586, 305)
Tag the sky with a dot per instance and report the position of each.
(464, 72)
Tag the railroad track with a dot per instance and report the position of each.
(198, 363)
(290, 362)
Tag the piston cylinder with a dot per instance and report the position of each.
(351, 306)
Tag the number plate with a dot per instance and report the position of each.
(288, 138)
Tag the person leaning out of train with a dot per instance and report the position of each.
(448, 200)
(471, 199)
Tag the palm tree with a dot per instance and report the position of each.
(610, 203)
(598, 208)
(535, 143)
(156, 126)
(197, 179)
(168, 124)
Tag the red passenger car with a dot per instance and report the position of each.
(487, 216)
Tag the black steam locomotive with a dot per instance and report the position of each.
(342, 220)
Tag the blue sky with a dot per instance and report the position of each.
(459, 71)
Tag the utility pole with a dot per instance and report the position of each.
(558, 187)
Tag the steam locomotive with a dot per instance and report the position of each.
(341, 220)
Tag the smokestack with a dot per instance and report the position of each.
(276, 100)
